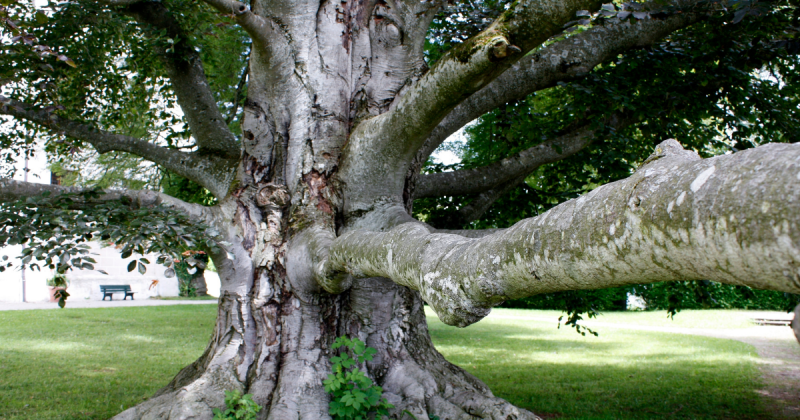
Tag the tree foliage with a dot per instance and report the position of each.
(54, 233)
(120, 83)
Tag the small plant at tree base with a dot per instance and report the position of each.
(353, 394)
(239, 407)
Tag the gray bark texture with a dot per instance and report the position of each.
(340, 108)
(678, 217)
(796, 323)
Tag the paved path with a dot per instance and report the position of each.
(16, 306)
(777, 347)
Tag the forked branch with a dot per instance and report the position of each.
(562, 61)
(391, 139)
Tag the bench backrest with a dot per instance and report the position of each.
(115, 288)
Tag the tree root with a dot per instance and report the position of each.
(415, 377)
(284, 363)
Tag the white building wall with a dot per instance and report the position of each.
(84, 284)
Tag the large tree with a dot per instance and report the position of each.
(315, 182)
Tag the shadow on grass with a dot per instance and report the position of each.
(619, 375)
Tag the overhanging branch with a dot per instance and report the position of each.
(188, 79)
(732, 218)
(12, 190)
(212, 172)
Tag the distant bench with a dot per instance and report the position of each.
(108, 291)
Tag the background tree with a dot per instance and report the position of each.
(312, 233)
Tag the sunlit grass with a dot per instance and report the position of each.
(683, 319)
(618, 375)
(93, 363)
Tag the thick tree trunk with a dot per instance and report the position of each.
(273, 340)
(796, 323)
(343, 63)
(199, 283)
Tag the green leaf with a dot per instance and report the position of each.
(142, 268)
(131, 266)
(67, 60)
(41, 18)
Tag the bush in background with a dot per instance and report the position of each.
(671, 296)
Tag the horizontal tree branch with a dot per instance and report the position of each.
(732, 218)
(212, 172)
(484, 200)
(562, 61)
(492, 181)
(476, 180)
(188, 79)
(12, 190)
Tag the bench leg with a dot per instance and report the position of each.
(110, 296)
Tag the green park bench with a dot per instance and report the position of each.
(108, 290)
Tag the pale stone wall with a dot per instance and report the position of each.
(85, 284)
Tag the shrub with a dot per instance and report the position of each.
(353, 395)
(239, 407)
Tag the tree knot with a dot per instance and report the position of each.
(670, 148)
(502, 49)
(273, 195)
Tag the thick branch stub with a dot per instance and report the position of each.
(259, 29)
(732, 219)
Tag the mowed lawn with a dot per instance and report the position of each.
(620, 374)
(93, 363)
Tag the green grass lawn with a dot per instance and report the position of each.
(184, 298)
(93, 363)
(618, 375)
